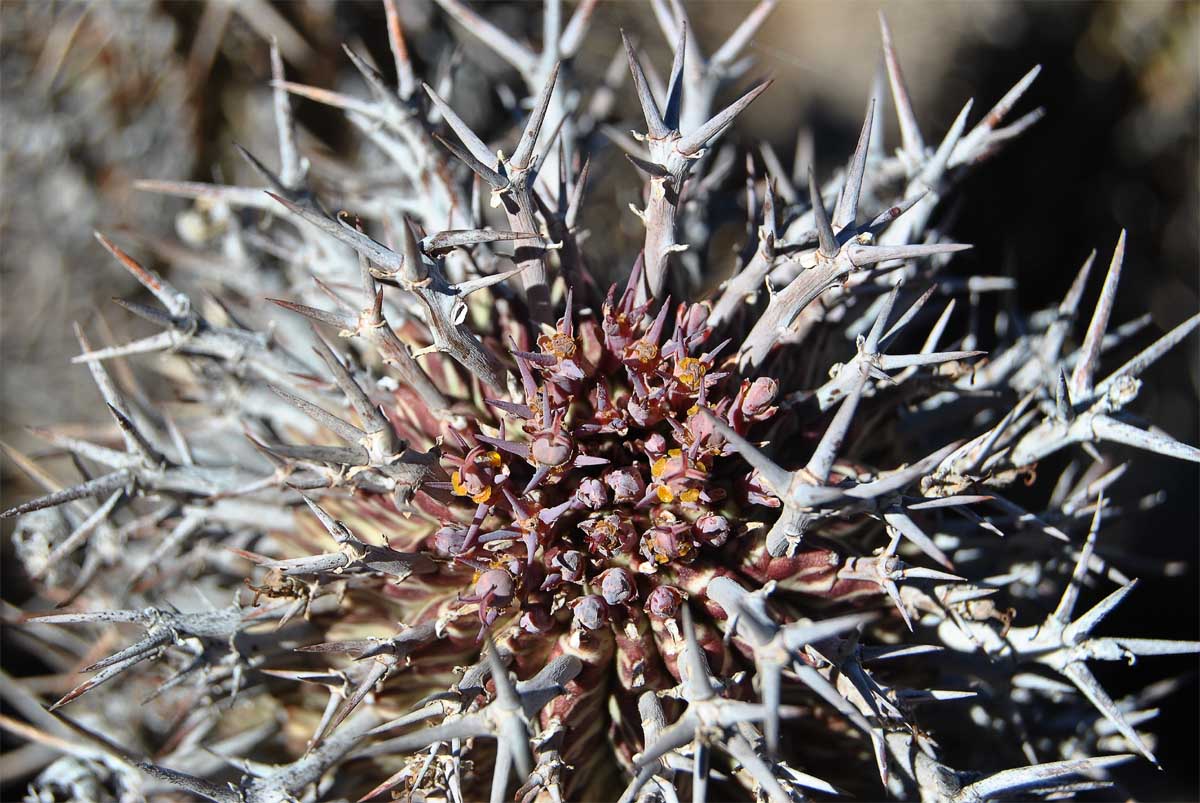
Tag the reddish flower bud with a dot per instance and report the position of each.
(495, 584)
(591, 493)
(551, 449)
(712, 529)
(448, 541)
(493, 591)
(627, 484)
(571, 564)
(664, 602)
(640, 412)
(695, 320)
(756, 403)
(618, 586)
(590, 612)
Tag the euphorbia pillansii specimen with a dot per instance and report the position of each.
(481, 526)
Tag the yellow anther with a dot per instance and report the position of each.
(690, 372)
(560, 345)
(658, 467)
(642, 351)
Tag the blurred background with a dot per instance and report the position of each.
(94, 95)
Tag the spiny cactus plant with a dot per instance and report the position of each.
(490, 528)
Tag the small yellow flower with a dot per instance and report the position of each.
(489, 459)
(690, 372)
(558, 344)
(658, 467)
(643, 351)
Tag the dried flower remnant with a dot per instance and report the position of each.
(486, 529)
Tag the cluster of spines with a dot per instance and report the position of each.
(393, 466)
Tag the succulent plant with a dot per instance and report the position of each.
(489, 528)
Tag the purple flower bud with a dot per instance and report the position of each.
(618, 586)
(590, 612)
(695, 320)
(759, 396)
(551, 449)
(712, 529)
(448, 541)
(627, 484)
(638, 411)
(570, 564)
(495, 584)
(592, 493)
(656, 445)
(664, 602)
